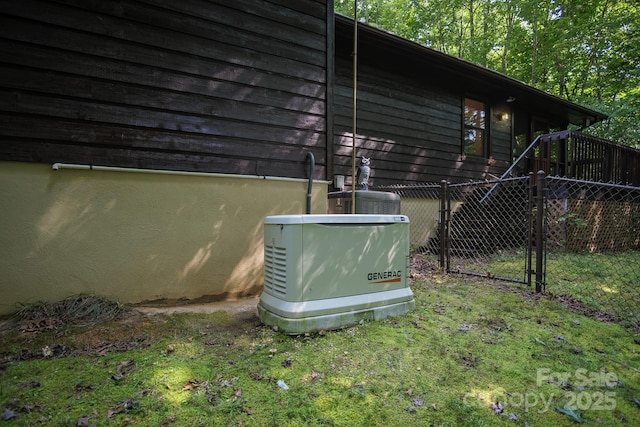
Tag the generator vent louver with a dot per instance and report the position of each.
(275, 269)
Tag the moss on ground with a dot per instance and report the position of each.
(471, 353)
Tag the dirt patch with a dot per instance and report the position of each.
(241, 308)
(49, 333)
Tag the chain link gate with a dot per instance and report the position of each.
(483, 228)
(488, 229)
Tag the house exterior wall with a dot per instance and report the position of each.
(411, 127)
(136, 237)
(236, 87)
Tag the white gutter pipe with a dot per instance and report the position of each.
(58, 166)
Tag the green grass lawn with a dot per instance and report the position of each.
(601, 282)
(604, 282)
(472, 353)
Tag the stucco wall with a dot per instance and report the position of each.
(424, 215)
(136, 237)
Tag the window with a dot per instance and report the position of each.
(475, 127)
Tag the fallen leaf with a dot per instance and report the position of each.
(85, 421)
(30, 384)
(172, 419)
(46, 351)
(59, 350)
(571, 413)
(123, 367)
(256, 376)
(539, 341)
(29, 407)
(82, 422)
(8, 414)
(497, 408)
(80, 388)
(613, 384)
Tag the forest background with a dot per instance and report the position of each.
(585, 51)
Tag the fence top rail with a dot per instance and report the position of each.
(609, 185)
(491, 181)
(412, 186)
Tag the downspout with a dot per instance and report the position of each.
(312, 168)
(355, 83)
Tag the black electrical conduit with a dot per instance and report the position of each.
(312, 168)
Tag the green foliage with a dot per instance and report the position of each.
(584, 51)
(573, 219)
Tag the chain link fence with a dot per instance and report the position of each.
(575, 239)
(593, 245)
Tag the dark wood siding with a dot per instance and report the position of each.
(231, 86)
(411, 129)
(501, 133)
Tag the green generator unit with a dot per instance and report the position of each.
(325, 272)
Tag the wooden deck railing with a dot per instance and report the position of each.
(574, 155)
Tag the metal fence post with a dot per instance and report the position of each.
(540, 197)
(530, 244)
(443, 224)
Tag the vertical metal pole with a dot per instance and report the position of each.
(447, 240)
(530, 222)
(355, 91)
(444, 225)
(540, 196)
(443, 219)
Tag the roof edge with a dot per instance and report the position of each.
(465, 65)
